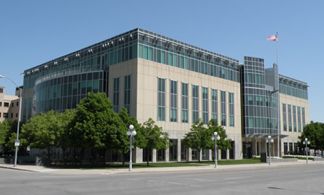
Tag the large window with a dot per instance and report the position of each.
(205, 104)
(161, 99)
(299, 119)
(195, 103)
(127, 93)
(284, 116)
(303, 118)
(289, 118)
(294, 119)
(184, 102)
(173, 101)
(116, 94)
(214, 105)
(231, 109)
(223, 108)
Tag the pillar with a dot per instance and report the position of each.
(167, 156)
(154, 155)
(189, 154)
(138, 155)
(179, 151)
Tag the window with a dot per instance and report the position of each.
(294, 119)
(205, 104)
(6, 104)
(173, 101)
(303, 118)
(298, 119)
(184, 102)
(223, 108)
(116, 94)
(5, 115)
(161, 99)
(289, 118)
(214, 105)
(127, 93)
(231, 108)
(284, 117)
(195, 103)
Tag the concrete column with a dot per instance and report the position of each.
(210, 155)
(200, 155)
(167, 156)
(189, 154)
(179, 151)
(154, 155)
(139, 155)
(227, 154)
(219, 154)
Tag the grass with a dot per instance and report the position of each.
(167, 164)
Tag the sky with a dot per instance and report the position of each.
(35, 31)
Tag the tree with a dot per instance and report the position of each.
(199, 136)
(150, 136)
(314, 132)
(95, 125)
(126, 121)
(45, 131)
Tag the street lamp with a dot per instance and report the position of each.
(17, 142)
(215, 137)
(131, 133)
(306, 148)
(269, 140)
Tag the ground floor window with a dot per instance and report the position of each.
(160, 155)
(173, 150)
(183, 151)
(205, 154)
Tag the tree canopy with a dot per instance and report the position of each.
(314, 132)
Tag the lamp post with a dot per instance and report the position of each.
(215, 137)
(269, 140)
(131, 133)
(17, 142)
(306, 142)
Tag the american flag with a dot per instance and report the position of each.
(273, 37)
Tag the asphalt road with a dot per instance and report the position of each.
(296, 179)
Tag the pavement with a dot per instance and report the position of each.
(108, 171)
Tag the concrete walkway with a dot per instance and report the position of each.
(108, 171)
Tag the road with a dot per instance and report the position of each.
(296, 179)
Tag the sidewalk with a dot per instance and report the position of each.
(109, 171)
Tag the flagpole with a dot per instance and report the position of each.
(278, 107)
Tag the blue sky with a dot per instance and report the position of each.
(36, 31)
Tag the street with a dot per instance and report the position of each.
(296, 179)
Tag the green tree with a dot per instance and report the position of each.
(126, 121)
(45, 131)
(314, 132)
(96, 126)
(150, 136)
(199, 136)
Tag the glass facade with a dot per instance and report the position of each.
(173, 101)
(284, 116)
(205, 105)
(116, 95)
(127, 92)
(223, 108)
(294, 119)
(161, 100)
(289, 118)
(195, 103)
(299, 119)
(260, 103)
(293, 87)
(231, 109)
(214, 104)
(184, 103)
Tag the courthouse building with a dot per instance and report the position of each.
(176, 84)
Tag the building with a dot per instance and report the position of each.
(9, 105)
(175, 84)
